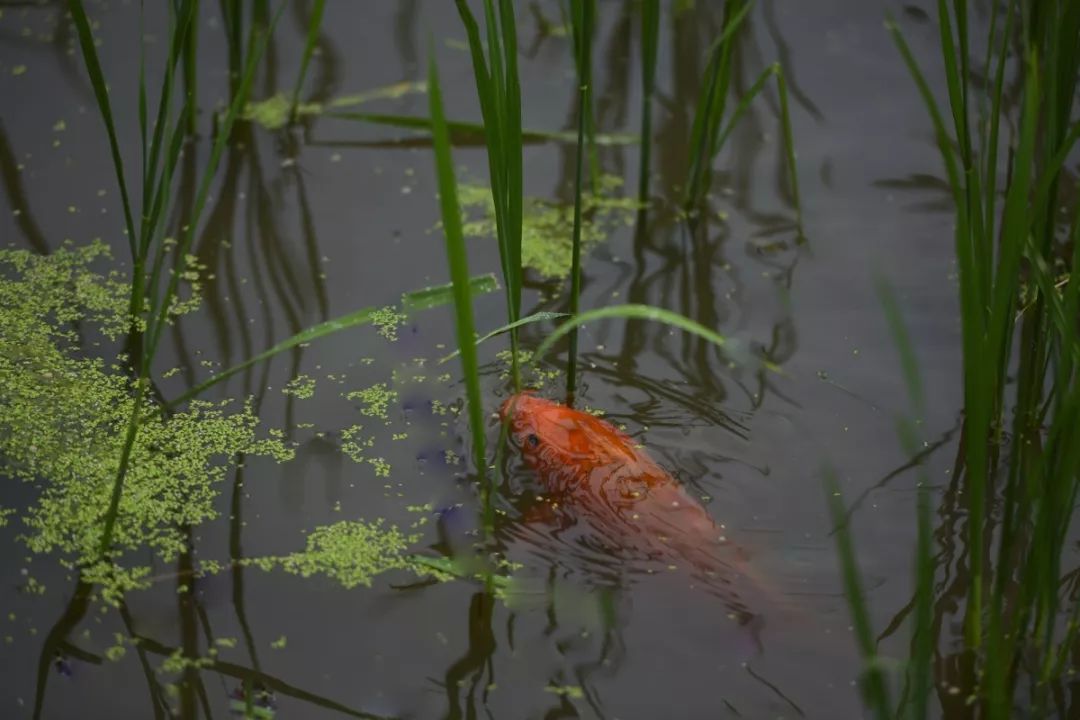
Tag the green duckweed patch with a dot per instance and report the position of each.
(374, 401)
(349, 552)
(301, 387)
(62, 417)
(547, 226)
(387, 320)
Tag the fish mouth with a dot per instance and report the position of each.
(509, 407)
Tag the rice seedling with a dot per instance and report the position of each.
(582, 14)
(1019, 294)
(581, 20)
(419, 300)
(875, 684)
(499, 92)
(707, 138)
(314, 24)
(153, 296)
(639, 312)
(457, 260)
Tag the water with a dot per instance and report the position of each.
(313, 223)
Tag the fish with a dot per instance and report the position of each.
(596, 473)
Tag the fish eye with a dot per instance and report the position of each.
(533, 440)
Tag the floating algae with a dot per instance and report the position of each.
(349, 552)
(62, 418)
(547, 226)
(62, 421)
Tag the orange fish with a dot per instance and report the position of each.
(599, 474)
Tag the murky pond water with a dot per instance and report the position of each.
(315, 221)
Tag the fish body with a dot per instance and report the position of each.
(597, 473)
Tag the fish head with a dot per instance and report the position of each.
(563, 444)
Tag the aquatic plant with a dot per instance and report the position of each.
(154, 283)
(708, 136)
(1019, 296)
(62, 417)
(499, 92)
(581, 14)
(548, 225)
(457, 260)
(314, 24)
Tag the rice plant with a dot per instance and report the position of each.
(710, 131)
(582, 14)
(314, 24)
(1019, 297)
(582, 24)
(154, 281)
(457, 260)
(499, 93)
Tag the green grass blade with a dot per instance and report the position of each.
(162, 305)
(459, 274)
(512, 139)
(191, 74)
(639, 312)
(411, 302)
(443, 294)
(156, 186)
(710, 110)
(908, 363)
(922, 643)
(101, 94)
(314, 25)
(463, 131)
(744, 104)
(498, 90)
(874, 687)
(789, 147)
(520, 322)
(582, 14)
(922, 640)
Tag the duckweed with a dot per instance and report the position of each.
(388, 320)
(349, 552)
(302, 387)
(375, 400)
(547, 226)
(62, 418)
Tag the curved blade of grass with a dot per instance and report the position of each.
(457, 259)
(499, 92)
(443, 294)
(101, 94)
(314, 24)
(639, 312)
(874, 688)
(710, 109)
(535, 317)
(461, 130)
(162, 305)
(789, 146)
(922, 641)
(159, 313)
(411, 302)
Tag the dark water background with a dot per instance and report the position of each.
(335, 216)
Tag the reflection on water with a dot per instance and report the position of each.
(318, 219)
